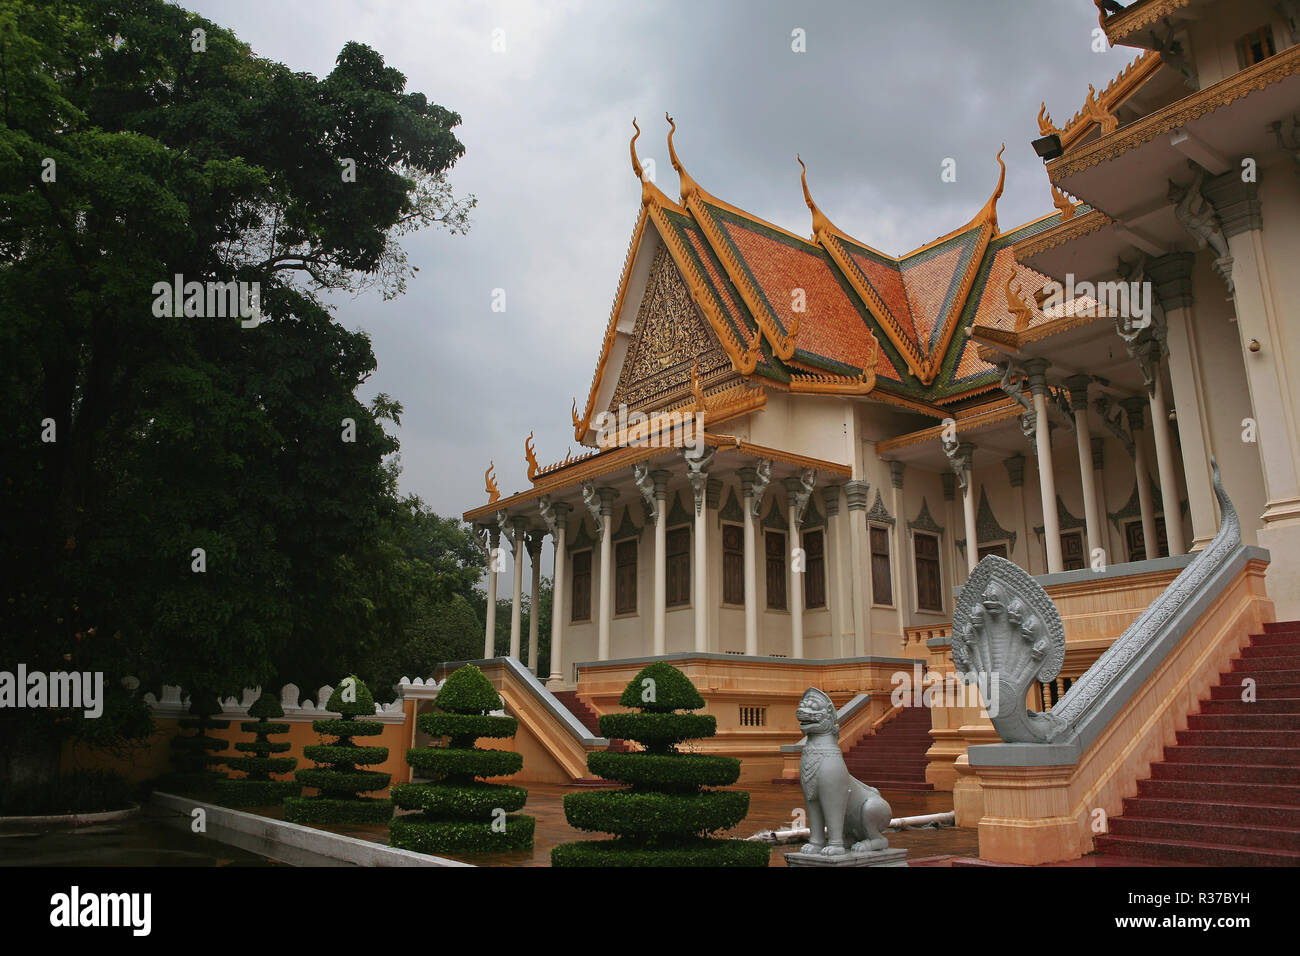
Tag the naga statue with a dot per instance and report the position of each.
(840, 807)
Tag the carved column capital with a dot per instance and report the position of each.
(798, 491)
(855, 492)
(896, 469)
(1078, 386)
(1015, 466)
(1135, 408)
(554, 513)
(831, 498)
(533, 542)
(1171, 275)
(1036, 371)
(1235, 201)
(754, 480)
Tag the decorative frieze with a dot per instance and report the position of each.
(879, 512)
(925, 521)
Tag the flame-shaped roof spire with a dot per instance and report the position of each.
(688, 185)
(989, 213)
(819, 221)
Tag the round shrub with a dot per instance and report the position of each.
(458, 811)
(666, 817)
(340, 783)
(256, 788)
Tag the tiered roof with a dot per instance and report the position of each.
(891, 328)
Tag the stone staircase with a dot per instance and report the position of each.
(893, 758)
(1228, 792)
(588, 717)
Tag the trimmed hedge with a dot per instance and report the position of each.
(658, 732)
(458, 812)
(625, 853)
(666, 817)
(665, 771)
(192, 757)
(256, 788)
(459, 836)
(340, 782)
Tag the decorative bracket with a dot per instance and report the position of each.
(1013, 380)
(591, 499)
(800, 491)
(697, 473)
(553, 514)
(1103, 404)
(762, 478)
(1198, 217)
(646, 485)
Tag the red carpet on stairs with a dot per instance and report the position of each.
(571, 700)
(1228, 792)
(894, 757)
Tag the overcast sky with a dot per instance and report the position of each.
(883, 94)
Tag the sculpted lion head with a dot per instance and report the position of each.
(816, 714)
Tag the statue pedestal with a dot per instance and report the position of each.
(888, 857)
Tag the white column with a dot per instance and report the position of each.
(1037, 369)
(607, 496)
(516, 606)
(1015, 466)
(490, 628)
(1108, 531)
(1136, 409)
(1165, 464)
(794, 507)
(1078, 386)
(697, 475)
(856, 493)
(753, 501)
(966, 451)
(660, 478)
(559, 526)
(837, 601)
(534, 545)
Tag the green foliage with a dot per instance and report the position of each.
(80, 791)
(624, 853)
(339, 781)
(467, 691)
(352, 698)
(177, 433)
(470, 725)
(665, 771)
(461, 836)
(460, 814)
(661, 688)
(665, 818)
(466, 762)
(658, 732)
(256, 788)
(193, 757)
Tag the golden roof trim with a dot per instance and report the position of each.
(972, 420)
(1120, 26)
(1193, 106)
(1058, 235)
(731, 442)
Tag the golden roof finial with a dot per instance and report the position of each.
(749, 361)
(820, 222)
(636, 163)
(1016, 305)
(1062, 202)
(688, 186)
(989, 213)
(1045, 125)
(577, 421)
(1098, 112)
(530, 453)
(493, 492)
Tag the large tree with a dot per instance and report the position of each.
(138, 142)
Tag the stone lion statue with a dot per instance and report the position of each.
(839, 806)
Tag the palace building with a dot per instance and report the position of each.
(797, 447)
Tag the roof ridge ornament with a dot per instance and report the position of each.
(530, 453)
(1016, 305)
(493, 492)
(688, 185)
(819, 221)
(989, 214)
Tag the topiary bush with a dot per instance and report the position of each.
(460, 812)
(665, 816)
(192, 754)
(339, 781)
(257, 788)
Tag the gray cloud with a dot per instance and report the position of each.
(884, 93)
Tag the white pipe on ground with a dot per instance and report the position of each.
(898, 823)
